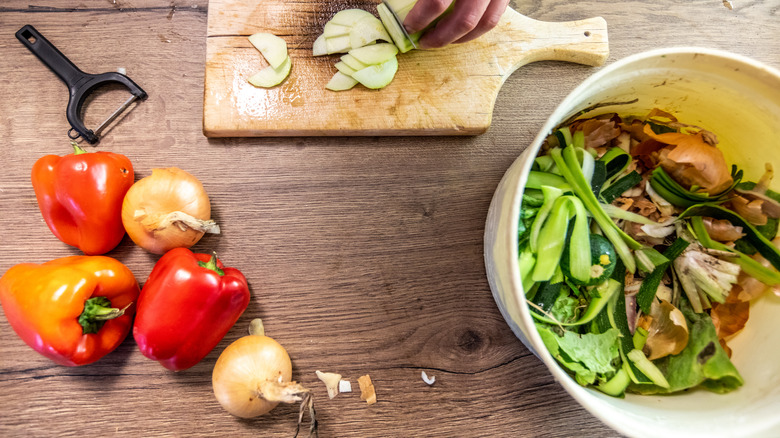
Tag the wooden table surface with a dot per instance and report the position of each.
(364, 255)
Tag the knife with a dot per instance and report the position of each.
(400, 23)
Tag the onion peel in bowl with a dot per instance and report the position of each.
(730, 317)
(667, 330)
(693, 162)
(722, 230)
(167, 209)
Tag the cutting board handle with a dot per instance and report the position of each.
(529, 40)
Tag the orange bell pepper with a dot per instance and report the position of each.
(73, 310)
(80, 196)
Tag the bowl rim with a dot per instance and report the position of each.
(561, 112)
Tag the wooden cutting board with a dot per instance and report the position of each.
(449, 91)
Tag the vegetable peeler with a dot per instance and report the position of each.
(80, 84)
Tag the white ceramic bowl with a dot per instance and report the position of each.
(739, 100)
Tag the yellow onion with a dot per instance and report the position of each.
(253, 375)
(167, 209)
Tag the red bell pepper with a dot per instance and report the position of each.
(73, 310)
(80, 196)
(187, 305)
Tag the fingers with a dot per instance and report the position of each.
(464, 18)
(469, 19)
(423, 13)
(489, 20)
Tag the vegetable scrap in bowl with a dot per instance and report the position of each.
(640, 251)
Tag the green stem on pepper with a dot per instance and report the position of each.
(212, 265)
(98, 310)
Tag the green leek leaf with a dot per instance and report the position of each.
(763, 245)
(649, 287)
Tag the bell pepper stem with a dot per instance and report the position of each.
(212, 265)
(98, 310)
(77, 150)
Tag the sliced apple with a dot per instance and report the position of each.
(337, 44)
(332, 30)
(394, 29)
(403, 12)
(352, 62)
(344, 68)
(319, 48)
(349, 17)
(367, 31)
(341, 82)
(273, 48)
(270, 76)
(377, 76)
(398, 5)
(374, 54)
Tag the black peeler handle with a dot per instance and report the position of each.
(79, 84)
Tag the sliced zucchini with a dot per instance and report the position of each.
(602, 258)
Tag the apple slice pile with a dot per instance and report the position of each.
(349, 29)
(373, 66)
(274, 50)
(370, 45)
(358, 34)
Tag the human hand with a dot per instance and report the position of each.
(468, 20)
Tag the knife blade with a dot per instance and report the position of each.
(400, 23)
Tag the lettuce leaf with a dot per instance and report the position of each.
(589, 356)
(566, 308)
(702, 362)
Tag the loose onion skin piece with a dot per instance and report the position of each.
(253, 375)
(168, 209)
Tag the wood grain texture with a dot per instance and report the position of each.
(364, 255)
(428, 96)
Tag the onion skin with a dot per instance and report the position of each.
(692, 161)
(243, 368)
(667, 330)
(152, 198)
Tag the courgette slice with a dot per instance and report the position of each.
(761, 243)
(673, 192)
(616, 386)
(602, 259)
(604, 294)
(648, 368)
